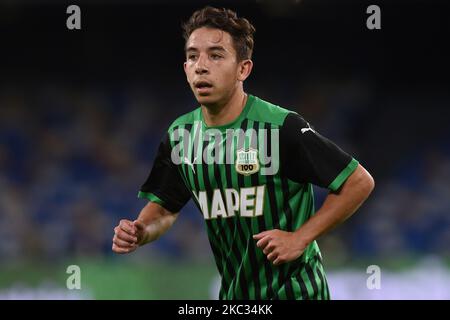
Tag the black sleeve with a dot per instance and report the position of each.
(307, 156)
(164, 184)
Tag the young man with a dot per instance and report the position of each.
(249, 166)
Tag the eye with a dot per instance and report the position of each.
(192, 57)
(216, 56)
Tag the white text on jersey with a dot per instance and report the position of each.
(248, 202)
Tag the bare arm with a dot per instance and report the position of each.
(156, 221)
(152, 222)
(281, 246)
(338, 206)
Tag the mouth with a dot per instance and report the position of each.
(203, 86)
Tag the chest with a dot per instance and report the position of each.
(235, 157)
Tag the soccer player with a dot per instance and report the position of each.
(249, 165)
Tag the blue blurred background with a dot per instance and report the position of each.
(82, 113)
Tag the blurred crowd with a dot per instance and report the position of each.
(72, 160)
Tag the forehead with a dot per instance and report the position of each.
(204, 38)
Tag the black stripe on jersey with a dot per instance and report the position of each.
(289, 227)
(303, 289)
(186, 168)
(187, 127)
(313, 281)
(290, 294)
(327, 290)
(322, 283)
(194, 154)
(176, 136)
(294, 267)
(286, 206)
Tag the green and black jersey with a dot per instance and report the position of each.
(248, 176)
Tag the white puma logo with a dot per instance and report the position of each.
(303, 130)
(189, 163)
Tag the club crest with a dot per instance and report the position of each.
(247, 162)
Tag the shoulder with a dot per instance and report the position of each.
(296, 128)
(185, 119)
(295, 121)
(265, 111)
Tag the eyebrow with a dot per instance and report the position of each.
(213, 48)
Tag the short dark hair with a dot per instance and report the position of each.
(240, 29)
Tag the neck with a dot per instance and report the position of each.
(224, 112)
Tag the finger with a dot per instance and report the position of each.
(262, 243)
(277, 261)
(260, 235)
(140, 226)
(121, 243)
(269, 248)
(272, 256)
(127, 226)
(126, 237)
(120, 250)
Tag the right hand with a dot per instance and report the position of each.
(127, 236)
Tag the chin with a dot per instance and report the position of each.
(206, 100)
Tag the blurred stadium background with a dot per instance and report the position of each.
(82, 113)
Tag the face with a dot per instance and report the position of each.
(212, 68)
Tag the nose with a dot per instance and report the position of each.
(201, 67)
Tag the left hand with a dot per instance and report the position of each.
(279, 246)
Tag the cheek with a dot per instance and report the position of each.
(228, 76)
(189, 71)
(189, 76)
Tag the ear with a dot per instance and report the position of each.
(244, 69)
